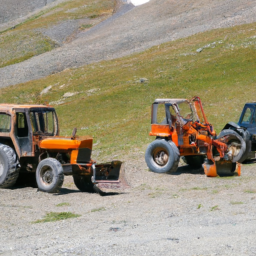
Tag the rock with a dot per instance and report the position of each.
(69, 94)
(92, 91)
(46, 90)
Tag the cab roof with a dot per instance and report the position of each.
(171, 101)
(5, 106)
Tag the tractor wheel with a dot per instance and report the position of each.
(236, 144)
(83, 183)
(8, 167)
(194, 161)
(176, 156)
(49, 175)
(162, 156)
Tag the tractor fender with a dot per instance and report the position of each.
(245, 136)
(231, 124)
(237, 128)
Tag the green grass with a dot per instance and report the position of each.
(17, 47)
(117, 111)
(214, 208)
(86, 26)
(98, 209)
(250, 191)
(57, 216)
(63, 204)
(236, 202)
(199, 188)
(24, 41)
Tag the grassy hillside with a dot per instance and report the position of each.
(111, 103)
(26, 40)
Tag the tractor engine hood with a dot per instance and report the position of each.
(80, 147)
(66, 143)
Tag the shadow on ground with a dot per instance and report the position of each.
(188, 169)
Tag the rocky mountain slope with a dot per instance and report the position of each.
(13, 9)
(133, 30)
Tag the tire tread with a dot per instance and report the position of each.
(13, 171)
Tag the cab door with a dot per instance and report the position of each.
(23, 134)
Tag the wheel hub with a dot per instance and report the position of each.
(234, 149)
(47, 177)
(161, 157)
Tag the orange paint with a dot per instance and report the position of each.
(210, 170)
(73, 157)
(63, 143)
(160, 130)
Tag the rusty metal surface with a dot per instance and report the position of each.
(113, 183)
(192, 133)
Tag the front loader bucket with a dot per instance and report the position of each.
(109, 177)
(221, 168)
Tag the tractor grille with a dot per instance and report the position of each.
(84, 155)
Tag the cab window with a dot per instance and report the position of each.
(248, 115)
(5, 122)
(22, 125)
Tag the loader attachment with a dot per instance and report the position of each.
(109, 177)
(221, 168)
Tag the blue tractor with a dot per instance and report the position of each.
(246, 128)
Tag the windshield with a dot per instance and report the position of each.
(248, 116)
(43, 121)
(185, 111)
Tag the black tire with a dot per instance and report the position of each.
(234, 137)
(8, 167)
(246, 156)
(194, 161)
(83, 183)
(49, 175)
(162, 156)
(176, 156)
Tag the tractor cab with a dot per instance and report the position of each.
(32, 123)
(171, 114)
(22, 125)
(248, 116)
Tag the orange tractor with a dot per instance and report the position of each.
(30, 143)
(181, 129)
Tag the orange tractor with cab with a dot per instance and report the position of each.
(182, 129)
(30, 143)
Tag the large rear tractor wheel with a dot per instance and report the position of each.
(194, 161)
(236, 144)
(83, 183)
(49, 175)
(162, 156)
(8, 167)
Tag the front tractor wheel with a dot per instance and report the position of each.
(194, 161)
(8, 167)
(162, 156)
(49, 175)
(83, 183)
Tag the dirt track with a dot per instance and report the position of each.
(136, 30)
(180, 214)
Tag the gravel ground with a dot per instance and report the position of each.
(184, 213)
(135, 30)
